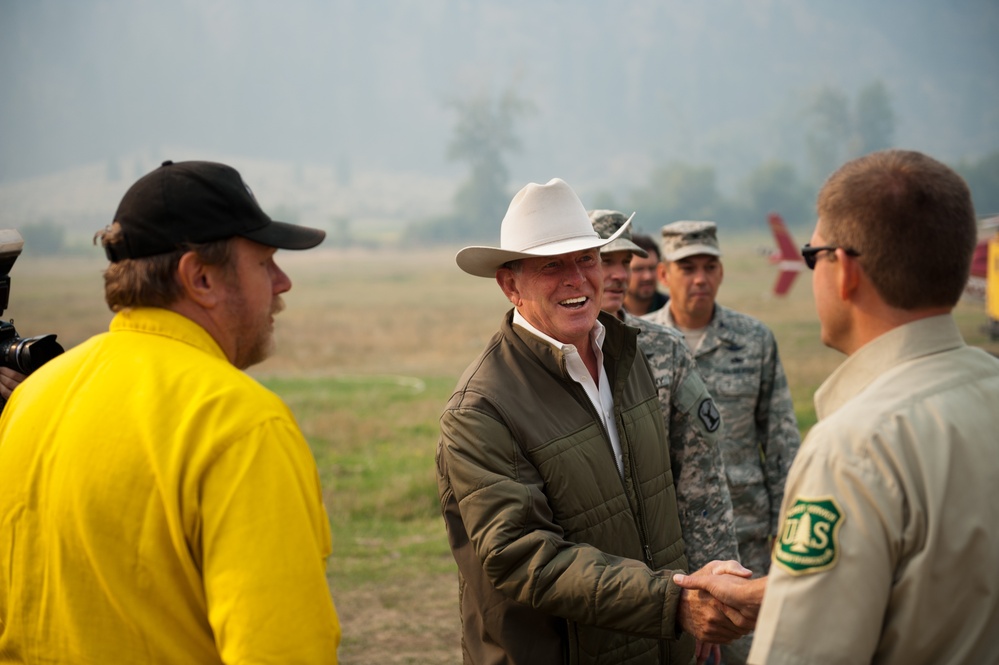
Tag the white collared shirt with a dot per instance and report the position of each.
(600, 394)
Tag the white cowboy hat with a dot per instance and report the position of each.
(542, 220)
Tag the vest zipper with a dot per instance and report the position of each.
(643, 530)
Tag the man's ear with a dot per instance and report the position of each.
(199, 282)
(848, 274)
(661, 273)
(507, 281)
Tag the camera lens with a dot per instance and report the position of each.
(27, 355)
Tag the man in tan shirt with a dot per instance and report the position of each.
(888, 546)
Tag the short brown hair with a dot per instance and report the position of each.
(152, 281)
(646, 243)
(911, 220)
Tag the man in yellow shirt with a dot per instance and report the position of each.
(158, 504)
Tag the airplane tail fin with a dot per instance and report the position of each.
(787, 257)
(788, 251)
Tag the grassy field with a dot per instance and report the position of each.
(369, 348)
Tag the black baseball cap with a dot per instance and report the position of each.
(195, 202)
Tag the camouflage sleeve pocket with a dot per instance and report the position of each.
(693, 399)
(691, 393)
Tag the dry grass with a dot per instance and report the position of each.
(369, 346)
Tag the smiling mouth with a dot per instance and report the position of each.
(574, 303)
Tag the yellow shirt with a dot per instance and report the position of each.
(158, 506)
(889, 551)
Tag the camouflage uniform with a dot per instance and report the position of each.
(739, 363)
(702, 495)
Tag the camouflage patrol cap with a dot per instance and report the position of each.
(606, 223)
(683, 239)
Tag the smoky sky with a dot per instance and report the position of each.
(367, 82)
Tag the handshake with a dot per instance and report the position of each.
(719, 603)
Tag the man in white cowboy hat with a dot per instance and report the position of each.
(552, 467)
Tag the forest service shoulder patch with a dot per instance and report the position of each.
(809, 537)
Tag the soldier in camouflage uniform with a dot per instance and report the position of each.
(737, 356)
(702, 493)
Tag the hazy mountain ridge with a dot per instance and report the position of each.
(371, 204)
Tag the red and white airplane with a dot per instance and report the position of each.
(787, 256)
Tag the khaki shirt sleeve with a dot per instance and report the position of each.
(831, 575)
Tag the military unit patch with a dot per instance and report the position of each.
(809, 538)
(708, 413)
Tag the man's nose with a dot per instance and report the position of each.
(280, 281)
(573, 275)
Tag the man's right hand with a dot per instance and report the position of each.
(706, 617)
(729, 585)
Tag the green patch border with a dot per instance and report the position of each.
(779, 546)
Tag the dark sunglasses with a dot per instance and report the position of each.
(809, 253)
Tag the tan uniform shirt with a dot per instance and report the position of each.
(889, 546)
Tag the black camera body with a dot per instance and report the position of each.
(21, 355)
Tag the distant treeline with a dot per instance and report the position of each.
(683, 191)
(673, 192)
(833, 128)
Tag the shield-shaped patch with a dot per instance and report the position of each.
(809, 537)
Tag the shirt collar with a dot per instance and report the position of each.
(597, 333)
(165, 322)
(912, 340)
